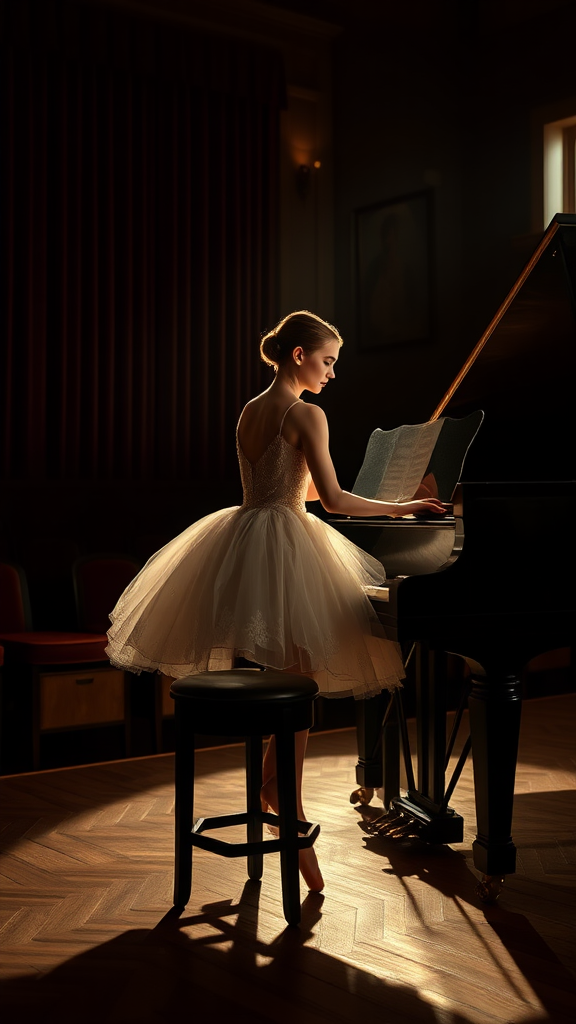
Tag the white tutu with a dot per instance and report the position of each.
(267, 581)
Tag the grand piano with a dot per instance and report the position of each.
(502, 590)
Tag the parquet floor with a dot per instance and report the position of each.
(88, 935)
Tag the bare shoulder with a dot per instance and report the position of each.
(250, 409)
(304, 423)
(254, 402)
(310, 418)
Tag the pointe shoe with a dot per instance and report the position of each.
(307, 862)
(310, 870)
(307, 859)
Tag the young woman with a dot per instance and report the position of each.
(267, 580)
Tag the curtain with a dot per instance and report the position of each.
(139, 191)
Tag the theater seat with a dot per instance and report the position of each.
(52, 680)
(41, 648)
(99, 580)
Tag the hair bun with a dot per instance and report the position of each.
(270, 349)
(300, 329)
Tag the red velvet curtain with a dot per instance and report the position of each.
(139, 184)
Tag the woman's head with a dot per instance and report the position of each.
(297, 330)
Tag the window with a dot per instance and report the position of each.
(559, 167)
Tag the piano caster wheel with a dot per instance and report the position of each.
(489, 889)
(361, 796)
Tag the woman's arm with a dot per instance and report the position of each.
(313, 427)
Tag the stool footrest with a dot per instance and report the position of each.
(309, 834)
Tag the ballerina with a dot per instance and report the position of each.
(268, 580)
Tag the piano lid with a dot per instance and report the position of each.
(522, 371)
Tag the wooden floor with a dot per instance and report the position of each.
(88, 935)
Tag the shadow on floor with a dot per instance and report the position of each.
(449, 872)
(166, 975)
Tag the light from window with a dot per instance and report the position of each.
(559, 168)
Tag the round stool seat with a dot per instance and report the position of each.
(245, 684)
(244, 701)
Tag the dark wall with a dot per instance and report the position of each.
(444, 102)
(138, 204)
(436, 96)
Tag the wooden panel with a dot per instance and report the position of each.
(69, 699)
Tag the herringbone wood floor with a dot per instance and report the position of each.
(88, 935)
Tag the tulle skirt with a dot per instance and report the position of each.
(276, 586)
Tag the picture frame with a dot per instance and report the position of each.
(393, 266)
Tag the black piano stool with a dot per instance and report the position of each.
(253, 704)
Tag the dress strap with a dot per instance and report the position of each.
(286, 413)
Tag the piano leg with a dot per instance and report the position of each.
(425, 804)
(391, 754)
(431, 674)
(378, 750)
(495, 708)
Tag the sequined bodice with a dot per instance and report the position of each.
(279, 477)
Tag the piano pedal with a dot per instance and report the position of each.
(394, 826)
(409, 830)
(489, 889)
(384, 823)
(363, 796)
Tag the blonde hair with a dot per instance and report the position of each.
(302, 329)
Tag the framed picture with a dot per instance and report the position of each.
(393, 243)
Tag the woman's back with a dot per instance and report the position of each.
(263, 419)
(275, 472)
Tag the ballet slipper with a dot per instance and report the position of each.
(310, 869)
(307, 862)
(307, 859)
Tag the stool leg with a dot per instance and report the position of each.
(286, 778)
(253, 787)
(184, 806)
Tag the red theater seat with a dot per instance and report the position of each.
(99, 580)
(37, 648)
(52, 680)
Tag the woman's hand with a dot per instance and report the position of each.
(422, 507)
(312, 431)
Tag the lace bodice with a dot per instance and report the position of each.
(279, 477)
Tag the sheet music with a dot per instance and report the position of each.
(396, 461)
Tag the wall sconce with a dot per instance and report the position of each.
(303, 174)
